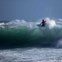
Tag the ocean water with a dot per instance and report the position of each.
(24, 41)
(31, 55)
(20, 33)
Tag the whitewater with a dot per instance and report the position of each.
(31, 55)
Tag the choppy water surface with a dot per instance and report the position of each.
(31, 55)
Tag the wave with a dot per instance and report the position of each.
(20, 33)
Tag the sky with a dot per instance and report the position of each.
(30, 9)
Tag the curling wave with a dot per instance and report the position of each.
(20, 33)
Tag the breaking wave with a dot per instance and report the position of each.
(21, 33)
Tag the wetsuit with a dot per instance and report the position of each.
(43, 23)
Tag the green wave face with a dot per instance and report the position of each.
(25, 37)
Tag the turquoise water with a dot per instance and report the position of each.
(25, 37)
(21, 33)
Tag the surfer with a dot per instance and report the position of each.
(43, 23)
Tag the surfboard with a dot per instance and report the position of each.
(39, 25)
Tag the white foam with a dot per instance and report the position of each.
(59, 43)
(50, 23)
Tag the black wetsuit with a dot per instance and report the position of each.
(43, 23)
